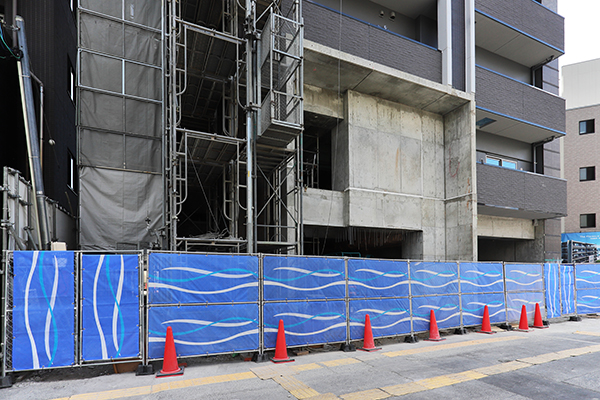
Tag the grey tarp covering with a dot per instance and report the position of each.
(120, 122)
(115, 205)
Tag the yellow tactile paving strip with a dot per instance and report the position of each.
(447, 346)
(159, 387)
(283, 375)
(296, 388)
(587, 333)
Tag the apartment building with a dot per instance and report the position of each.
(581, 89)
(393, 129)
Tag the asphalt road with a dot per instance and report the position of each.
(556, 363)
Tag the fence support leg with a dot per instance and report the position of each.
(411, 339)
(347, 347)
(260, 357)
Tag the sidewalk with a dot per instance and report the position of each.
(558, 362)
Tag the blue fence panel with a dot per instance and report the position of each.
(588, 276)
(201, 330)
(567, 289)
(446, 309)
(481, 277)
(433, 278)
(202, 278)
(377, 278)
(515, 301)
(524, 277)
(311, 322)
(304, 278)
(588, 301)
(552, 280)
(43, 311)
(473, 305)
(388, 317)
(111, 308)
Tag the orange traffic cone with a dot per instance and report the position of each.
(486, 327)
(537, 319)
(434, 334)
(368, 342)
(281, 355)
(523, 324)
(170, 366)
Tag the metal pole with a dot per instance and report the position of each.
(250, 79)
(31, 135)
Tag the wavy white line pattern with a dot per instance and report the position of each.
(206, 272)
(308, 272)
(355, 283)
(158, 285)
(34, 354)
(156, 339)
(207, 323)
(441, 275)
(380, 273)
(473, 271)
(50, 310)
(372, 310)
(301, 289)
(115, 317)
(42, 319)
(95, 305)
(307, 316)
(312, 333)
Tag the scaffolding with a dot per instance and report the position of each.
(234, 123)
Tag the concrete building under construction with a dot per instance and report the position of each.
(390, 129)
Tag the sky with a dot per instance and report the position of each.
(581, 30)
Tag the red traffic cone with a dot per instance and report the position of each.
(434, 334)
(537, 319)
(368, 342)
(281, 355)
(523, 324)
(170, 366)
(486, 327)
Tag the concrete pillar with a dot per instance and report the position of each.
(461, 193)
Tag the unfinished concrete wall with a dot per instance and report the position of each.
(460, 194)
(389, 160)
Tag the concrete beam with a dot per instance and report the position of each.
(324, 67)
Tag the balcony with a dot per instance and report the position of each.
(523, 31)
(510, 193)
(358, 38)
(519, 111)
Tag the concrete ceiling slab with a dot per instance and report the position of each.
(511, 43)
(514, 213)
(326, 67)
(514, 129)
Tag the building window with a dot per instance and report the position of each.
(500, 162)
(587, 220)
(586, 126)
(72, 82)
(72, 171)
(587, 174)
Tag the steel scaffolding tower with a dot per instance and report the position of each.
(234, 123)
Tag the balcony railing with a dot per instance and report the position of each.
(511, 193)
(519, 111)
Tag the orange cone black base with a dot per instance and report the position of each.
(281, 355)
(434, 333)
(368, 342)
(537, 319)
(170, 366)
(523, 324)
(486, 327)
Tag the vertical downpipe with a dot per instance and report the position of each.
(31, 135)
